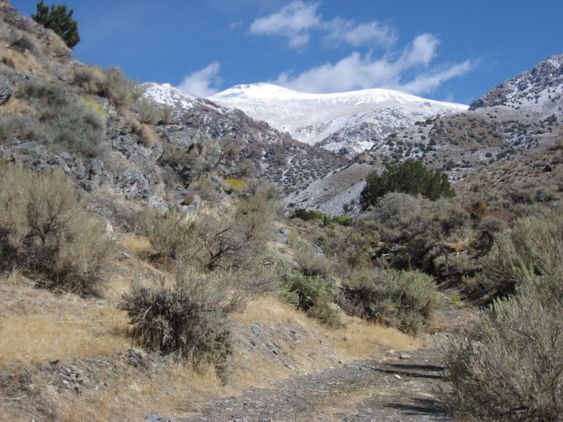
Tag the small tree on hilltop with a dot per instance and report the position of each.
(410, 176)
(59, 19)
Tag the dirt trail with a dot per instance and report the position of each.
(394, 388)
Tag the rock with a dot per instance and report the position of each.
(5, 91)
(404, 356)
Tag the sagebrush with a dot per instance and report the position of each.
(45, 230)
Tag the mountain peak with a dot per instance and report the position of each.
(540, 87)
(342, 116)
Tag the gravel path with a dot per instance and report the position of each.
(396, 388)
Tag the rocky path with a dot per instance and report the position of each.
(393, 388)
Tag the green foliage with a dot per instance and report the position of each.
(312, 215)
(59, 19)
(45, 230)
(343, 220)
(402, 299)
(410, 176)
(509, 366)
(309, 215)
(168, 232)
(149, 113)
(62, 122)
(312, 294)
(532, 247)
(118, 89)
(187, 320)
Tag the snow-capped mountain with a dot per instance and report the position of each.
(290, 164)
(540, 89)
(348, 122)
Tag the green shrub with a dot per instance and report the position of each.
(45, 230)
(410, 176)
(314, 295)
(532, 246)
(402, 299)
(309, 215)
(168, 232)
(63, 121)
(187, 320)
(343, 220)
(509, 366)
(120, 91)
(149, 113)
(235, 242)
(59, 19)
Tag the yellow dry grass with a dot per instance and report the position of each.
(356, 340)
(36, 325)
(22, 62)
(175, 392)
(14, 105)
(135, 244)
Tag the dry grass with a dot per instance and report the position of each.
(135, 244)
(38, 326)
(174, 392)
(14, 105)
(322, 347)
(22, 62)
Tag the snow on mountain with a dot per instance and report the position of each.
(540, 89)
(350, 122)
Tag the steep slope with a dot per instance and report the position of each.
(289, 163)
(348, 122)
(540, 89)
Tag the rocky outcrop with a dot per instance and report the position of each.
(540, 87)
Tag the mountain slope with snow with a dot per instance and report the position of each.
(347, 121)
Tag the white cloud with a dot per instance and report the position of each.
(370, 33)
(298, 20)
(202, 83)
(293, 21)
(361, 71)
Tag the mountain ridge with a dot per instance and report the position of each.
(335, 121)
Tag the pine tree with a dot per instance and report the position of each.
(410, 176)
(59, 19)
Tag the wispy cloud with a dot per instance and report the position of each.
(409, 70)
(298, 20)
(293, 21)
(203, 82)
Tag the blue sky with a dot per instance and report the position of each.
(441, 49)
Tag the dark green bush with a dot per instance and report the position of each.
(45, 231)
(314, 295)
(309, 215)
(402, 299)
(59, 19)
(343, 220)
(410, 176)
(187, 320)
